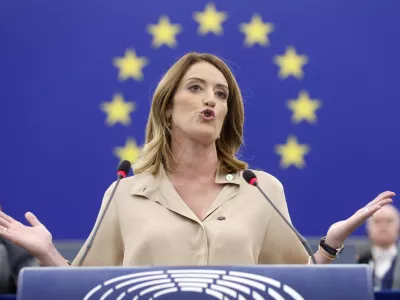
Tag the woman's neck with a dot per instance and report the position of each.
(193, 159)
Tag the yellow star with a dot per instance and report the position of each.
(130, 65)
(304, 108)
(292, 153)
(256, 31)
(118, 110)
(164, 32)
(129, 152)
(290, 63)
(210, 20)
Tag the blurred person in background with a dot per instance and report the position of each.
(12, 260)
(383, 253)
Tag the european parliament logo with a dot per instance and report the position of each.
(192, 283)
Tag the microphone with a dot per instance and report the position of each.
(123, 170)
(251, 179)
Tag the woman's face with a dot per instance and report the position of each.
(200, 104)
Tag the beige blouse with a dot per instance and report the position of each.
(148, 224)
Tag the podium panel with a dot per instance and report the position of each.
(175, 283)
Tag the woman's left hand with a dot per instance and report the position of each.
(339, 231)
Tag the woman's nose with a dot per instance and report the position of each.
(209, 102)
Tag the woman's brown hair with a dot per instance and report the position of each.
(157, 147)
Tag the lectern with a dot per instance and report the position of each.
(279, 282)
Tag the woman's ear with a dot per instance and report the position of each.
(168, 114)
(168, 111)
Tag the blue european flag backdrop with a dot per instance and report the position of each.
(319, 81)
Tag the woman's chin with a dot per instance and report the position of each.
(204, 136)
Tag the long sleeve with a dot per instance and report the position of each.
(281, 245)
(107, 248)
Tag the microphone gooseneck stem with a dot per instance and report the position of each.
(300, 237)
(90, 243)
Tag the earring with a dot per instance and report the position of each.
(168, 123)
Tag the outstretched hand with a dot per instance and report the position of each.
(36, 239)
(339, 231)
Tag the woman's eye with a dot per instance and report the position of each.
(195, 88)
(222, 95)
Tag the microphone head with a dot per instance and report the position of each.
(124, 168)
(250, 177)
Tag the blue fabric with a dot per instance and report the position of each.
(8, 297)
(387, 295)
(387, 281)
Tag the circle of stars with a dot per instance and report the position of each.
(210, 21)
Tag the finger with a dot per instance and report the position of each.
(6, 217)
(381, 196)
(363, 214)
(372, 211)
(369, 212)
(4, 233)
(5, 223)
(384, 202)
(31, 218)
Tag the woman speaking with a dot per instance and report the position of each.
(188, 203)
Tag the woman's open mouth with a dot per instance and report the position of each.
(208, 114)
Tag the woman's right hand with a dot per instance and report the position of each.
(35, 239)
